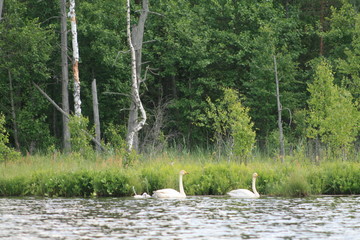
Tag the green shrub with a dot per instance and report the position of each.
(296, 185)
(159, 177)
(65, 176)
(13, 187)
(6, 153)
(78, 184)
(112, 183)
(80, 139)
(342, 178)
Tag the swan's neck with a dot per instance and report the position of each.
(254, 187)
(181, 186)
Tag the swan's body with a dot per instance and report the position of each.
(244, 193)
(144, 195)
(172, 193)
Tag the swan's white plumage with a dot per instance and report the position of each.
(172, 193)
(144, 195)
(244, 193)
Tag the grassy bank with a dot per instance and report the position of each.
(72, 175)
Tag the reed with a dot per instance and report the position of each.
(73, 175)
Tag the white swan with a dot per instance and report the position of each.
(172, 193)
(144, 195)
(244, 193)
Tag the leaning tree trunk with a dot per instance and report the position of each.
(135, 40)
(65, 77)
(67, 115)
(281, 135)
(77, 101)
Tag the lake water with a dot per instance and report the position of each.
(200, 217)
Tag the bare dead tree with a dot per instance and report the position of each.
(96, 113)
(153, 132)
(64, 76)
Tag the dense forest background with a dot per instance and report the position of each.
(192, 51)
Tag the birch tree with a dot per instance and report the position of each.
(135, 40)
(279, 108)
(77, 100)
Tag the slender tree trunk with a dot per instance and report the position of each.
(77, 99)
(1, 8)
(13, 113)
(135, 40)
(65, 77)
(96, 114)
(281, 135)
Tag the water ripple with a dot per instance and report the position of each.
(323, 217)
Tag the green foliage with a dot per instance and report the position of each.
(332, 114)
(61, 184)
(212, 180)
(14, 187)
(118, 145)
(78, 177)
(80, 138)
(113, 134)
(160, 177)
(349, 65)
(25, 50)
(112, 182)
(341, 179)
(193, 50)
(338, 38)
(231, 124)
(6, 153)
(295, 185)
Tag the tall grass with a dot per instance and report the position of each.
(73, 175)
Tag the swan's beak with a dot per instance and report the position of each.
(185, 172)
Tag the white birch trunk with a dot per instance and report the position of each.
(281, 135)
(136, 125)
(77, 100)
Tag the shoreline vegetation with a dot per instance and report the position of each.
(72, 175)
